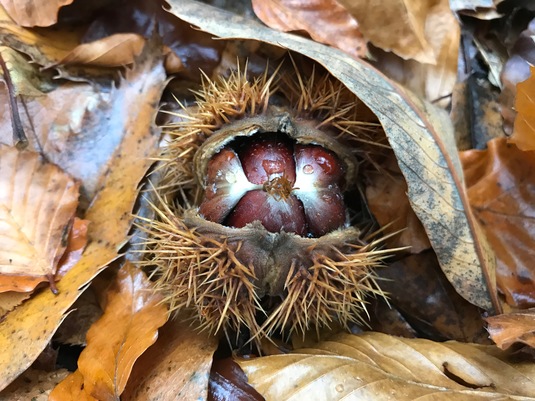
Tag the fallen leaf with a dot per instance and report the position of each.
(500, 182)
(228, 382)
(34, 385)
(113, 51)
(524, 126)
(76, 243)
(71, 389)
(508, 329)
(386, 195)
(428, 161)
(129, 325)
(373, 366)
(176, 366)
(45, 47)
(418, 289)
(34, 12)
(25, 331)
(37, 203)
(326, 21)
(9, 300)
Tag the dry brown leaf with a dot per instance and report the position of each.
(228, 382)
(325, 21)
(500, 182)
(129, 325)
(25, 332)
(34, 12)
(76, 243)
(37, 203)
(524, 128)
(34, 385)
(45, 47)
(386, 195)
(516, 327)
(113, 51)
(176, 366)
(374, 366)
(428, 161)
(433, 80)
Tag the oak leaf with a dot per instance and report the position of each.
(37, 204)
(375, 366)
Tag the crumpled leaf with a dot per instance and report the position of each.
(374, 366)
(508, 329)
(524, 128)
(129, 325)
(326, 21)
(37, 203)
(34, 12)
(25, 331)
(113, 51)
(428, 161)
(500, 184)
(176, 366)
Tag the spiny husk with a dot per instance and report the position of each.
(223, 274)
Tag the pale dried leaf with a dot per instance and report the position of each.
(34, 12)
(25, 332)
(115, 50)
(178, 364)
(34, 385)
(374, 366)
(37, 202)
(428, 160)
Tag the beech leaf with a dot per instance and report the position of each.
(176, 366)
(517, 327)
(524, 128)
(129, 325)
(374, 366)
(37, 203)
(34, 12)
(500, 184)
(25, 331)
(326, 21)
(428, 161)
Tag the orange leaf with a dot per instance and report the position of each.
(37, 202)
(75, 246)
(524, 129)
(325, 21)
(34, 12)
(500, 183)
(130, 323)
(507, 329)
(71, 389)
(112, 51)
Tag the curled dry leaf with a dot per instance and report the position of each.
(25, 332)
(34, 12)
(176, 366)
(326, 21)
(507, 329)
(37, 204)
(500, 182)
(374, 366)
(113, 51)
(129, 325)
(524, 128)
(428, 161)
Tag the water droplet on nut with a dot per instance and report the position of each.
(308, 169)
